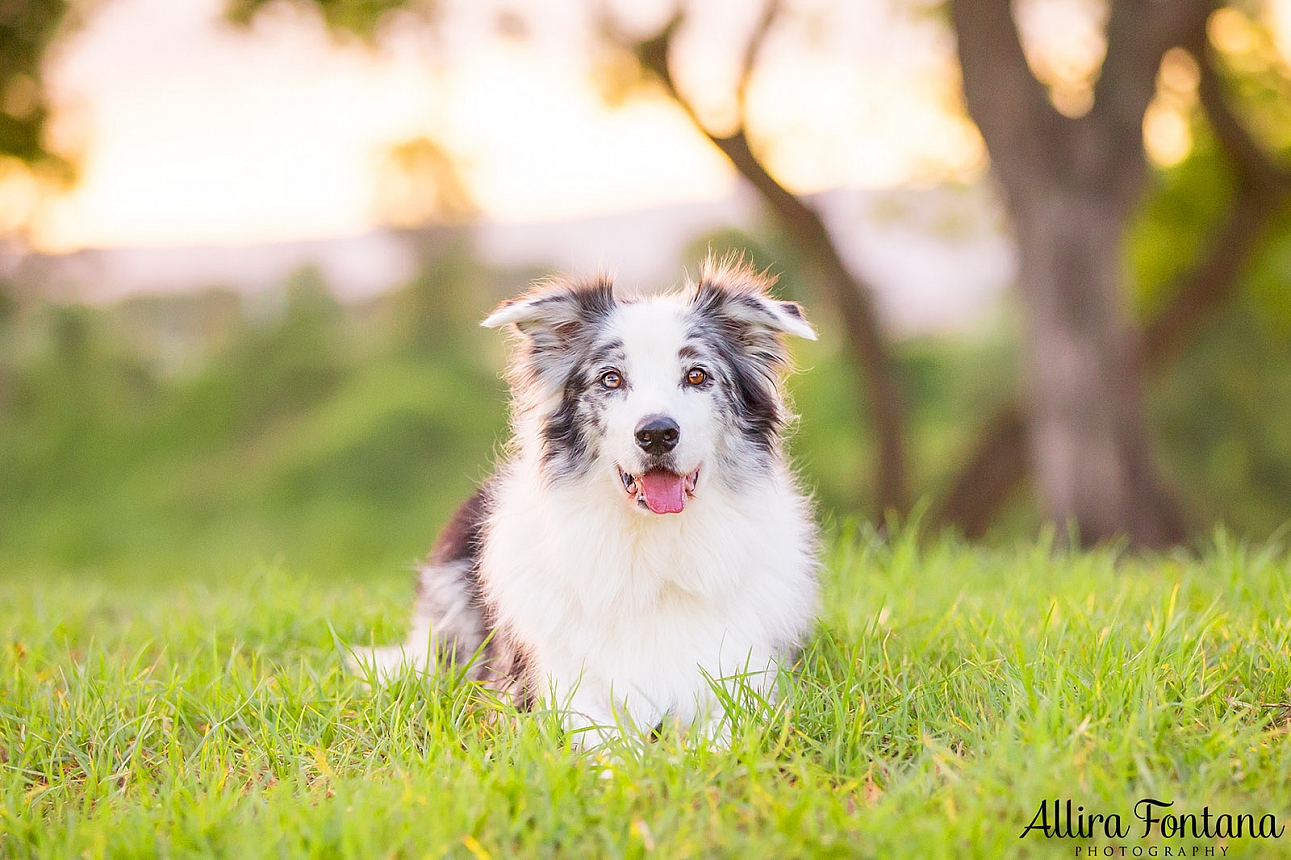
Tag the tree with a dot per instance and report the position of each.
(357, 17)
(1071, 185)
(26, 31)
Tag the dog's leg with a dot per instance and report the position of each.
(591, 731)
(588, 711)
(750, 687)
(446, 626)
(384, 665)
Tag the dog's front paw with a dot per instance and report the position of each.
(715, 731)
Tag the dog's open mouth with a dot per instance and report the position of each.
(661, 491)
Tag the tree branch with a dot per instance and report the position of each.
(851, 298)
(1262, 186)
(992, 471)
(769, 14)
(1003, 96)
(1254, 166)
(1139, 32)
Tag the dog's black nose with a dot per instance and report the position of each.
(657, 434)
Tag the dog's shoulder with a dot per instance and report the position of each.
(462, 538)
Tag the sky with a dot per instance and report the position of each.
(189, 131)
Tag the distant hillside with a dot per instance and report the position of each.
(937, 256)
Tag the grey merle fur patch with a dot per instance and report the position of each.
(749, 356)
(563, 324)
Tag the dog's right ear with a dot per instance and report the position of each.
(555, 307)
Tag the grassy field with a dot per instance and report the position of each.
(948, 693)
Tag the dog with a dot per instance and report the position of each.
(643, 540)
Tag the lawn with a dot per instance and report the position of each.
(948, 693)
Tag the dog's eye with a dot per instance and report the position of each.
(611, 379)
(696, 376)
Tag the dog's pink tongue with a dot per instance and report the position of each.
(664, 492)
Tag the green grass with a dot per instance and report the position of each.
(948, 692)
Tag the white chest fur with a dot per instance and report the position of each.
(624, 614)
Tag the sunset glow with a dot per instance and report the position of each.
(188, 131)
(192, 132)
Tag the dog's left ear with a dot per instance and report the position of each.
(741, 294)
(778, 316)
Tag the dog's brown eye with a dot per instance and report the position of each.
(611, 379)
(696, 377)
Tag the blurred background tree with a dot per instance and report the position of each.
(26, 163)
(1073, 181)
(27, 29)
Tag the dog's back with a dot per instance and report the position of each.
(449, 617)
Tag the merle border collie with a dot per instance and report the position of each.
(643, 538)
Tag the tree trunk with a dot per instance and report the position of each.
(1071, 185)
(1087, 441)
(998, 464)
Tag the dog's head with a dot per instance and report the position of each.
(659, 394)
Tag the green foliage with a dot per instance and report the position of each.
(192, 436)
(946, 694)
(1223, 431)
(1177, 219)
(1224, 422)
(362, 18)
(336, 437)
(26, 30)
(1269, 279)
(1174, 222)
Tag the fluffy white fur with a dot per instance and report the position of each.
(621, 617)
